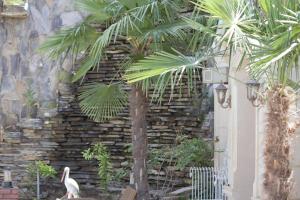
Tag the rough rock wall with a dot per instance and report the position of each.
(61, 139)
(26, 76)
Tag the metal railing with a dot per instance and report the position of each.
(208, 183)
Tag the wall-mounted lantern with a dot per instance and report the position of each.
(7, 183)
(221, 90)
(253, 92)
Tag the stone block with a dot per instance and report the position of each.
(31, 123)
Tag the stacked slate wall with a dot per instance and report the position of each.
(59, 141)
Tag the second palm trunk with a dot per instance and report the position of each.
(277, 177)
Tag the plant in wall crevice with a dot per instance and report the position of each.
(31, 103)
(106, 172)
(100, 153)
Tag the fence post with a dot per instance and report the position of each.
(37, 183)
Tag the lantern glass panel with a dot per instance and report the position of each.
(221, 93)
(252, 91)
(221, 96)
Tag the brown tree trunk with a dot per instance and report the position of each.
(138, 111)
(277, 177)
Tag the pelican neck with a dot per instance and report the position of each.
(67, 175)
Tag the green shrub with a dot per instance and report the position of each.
(187, 152)
(44, 170)
(100, 153)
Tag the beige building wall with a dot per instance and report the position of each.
(238, 123)
(244, 132)
(221, 135)
(259, 147)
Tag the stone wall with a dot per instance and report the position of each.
(23, 70)
(62, 132)
(61, 139)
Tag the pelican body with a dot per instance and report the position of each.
(71, 184)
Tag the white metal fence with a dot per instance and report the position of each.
(208, 183)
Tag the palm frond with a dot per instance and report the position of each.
(165, 31)
(102, 102)
(97, 9)
(204, 32)
(129, 21)
(122, 26)
(72, 40)
(167, 70)
(236, 20)
(194, 24)
(85, 66)
(278, 49)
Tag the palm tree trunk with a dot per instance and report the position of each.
(277, 183)
(138, 111)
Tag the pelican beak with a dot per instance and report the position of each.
(63, 176)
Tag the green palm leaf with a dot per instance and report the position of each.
(167, 70)
(235, 19)
(97, 9)
(161, 63)
(199, 26)
(122, 26)
(269, 34)
(163, 32)
(72, 40)
(277, 54)
(102, 102)
(128, 22)
(85, 66)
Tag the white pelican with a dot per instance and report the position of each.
(71, 184)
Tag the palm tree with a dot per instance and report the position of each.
(146, 26)
(268, 34)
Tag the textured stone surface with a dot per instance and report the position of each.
(21, 66)
(60, 140)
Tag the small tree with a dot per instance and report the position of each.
(38, 170)
(147, 26)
